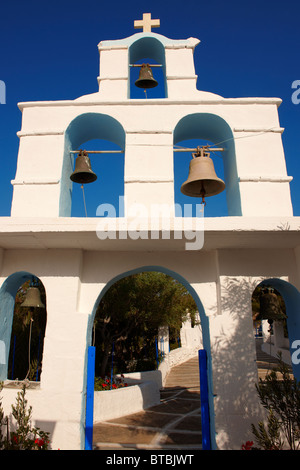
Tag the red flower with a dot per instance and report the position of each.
(39, 442)
(114, 386)
(247, 446)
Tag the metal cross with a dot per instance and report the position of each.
(146, 23)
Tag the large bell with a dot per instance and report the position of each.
(270, 308)
(202, 179)
(146, 79)
(83, 172)
(33, 298)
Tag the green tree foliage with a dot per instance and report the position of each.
(131, 312)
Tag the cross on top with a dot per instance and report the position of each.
(146, 23)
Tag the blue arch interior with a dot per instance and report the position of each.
(291, 297)
(8, 293)
(203, 319)
(148, 47)
(83, 128)
(215, 129)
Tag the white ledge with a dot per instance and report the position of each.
(143, 102)
(266, 179)
(35, 181)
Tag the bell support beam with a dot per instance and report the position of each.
(140, 65)
(122, 151)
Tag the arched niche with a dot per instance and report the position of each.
(214, 130)
(84, 128)
(291, 298)
(203, 319)
(8, 292)
(143, 50)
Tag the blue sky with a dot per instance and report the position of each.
(48, 51)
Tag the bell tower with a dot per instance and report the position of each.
(148, 129)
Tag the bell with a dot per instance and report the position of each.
(83, 172)
(202, 179)
(33, 298)
(146, 79)
(270, 307)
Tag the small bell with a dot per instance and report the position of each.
(202, 179)
(146, 79)
(83, 172)
(270, 307)
(33, 296)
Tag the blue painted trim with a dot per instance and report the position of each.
(206, 444)
(89, 419)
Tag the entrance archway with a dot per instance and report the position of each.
(203, 320)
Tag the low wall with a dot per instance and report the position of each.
(143, 390)
(111, 404)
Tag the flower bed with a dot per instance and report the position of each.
(102, 384)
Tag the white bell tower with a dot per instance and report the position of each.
(77, 261)
(147, 130)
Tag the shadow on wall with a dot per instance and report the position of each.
(234, 364)
(234, 353)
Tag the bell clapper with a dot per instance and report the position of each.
(202, 194)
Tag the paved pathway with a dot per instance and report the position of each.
(173, 424)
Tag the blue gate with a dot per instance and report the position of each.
(89, 418)
(206, 443)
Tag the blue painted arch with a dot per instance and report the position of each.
(8, 293)
(148, 46)
(204, 325)
(85, 127)
(291, 297)
(211, 127)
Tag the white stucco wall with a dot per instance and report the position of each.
(73, 280)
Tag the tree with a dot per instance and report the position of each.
(134, 308)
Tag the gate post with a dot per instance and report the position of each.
(206, 444)
(89, 417)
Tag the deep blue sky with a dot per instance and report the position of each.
(48, 51)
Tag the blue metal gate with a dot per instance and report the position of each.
(206, 442)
